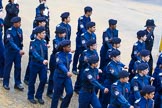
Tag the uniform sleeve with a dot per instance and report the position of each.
(33, 35)
(10, 42)
(93, 81)
(61, 65)
(38, 12)
(12, 9)
(136, 91)
(122, 65)
(82, 27)
(112, 71)
(83, 41)
(135, 53)
(135, 66)
(120, 98)
(35, 54)
(159, 62)
(106, 40)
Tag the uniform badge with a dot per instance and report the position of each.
(135, 88)
(126, 90)
(135, 44)
(8, 35)
(89, 76)
(81, 18)
(160, 74)
(57, 59)
(135, 52)
(106, 38)
(83, 42)
(31, 47)
(112, 71)
(85, 58)
(116, 93)
(98, 77)
(81, 26)
(58, 25)
(55, 46)
(87, 69)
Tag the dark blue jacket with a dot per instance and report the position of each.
(144, 103)
(68, 30)
(137, 63)
(137, 47)
(108, 35)
(120, 95)
(89, 79)
(13, 39)
(111, 72)
(40, 14)
(158, 67)
(39, 51)
(63, 61)
(56, 43)
(86, 37)
(84, 56)
(82, 21)
(12, 10)
(150, 40)
(137, 83)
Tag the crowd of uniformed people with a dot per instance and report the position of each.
(112, 85)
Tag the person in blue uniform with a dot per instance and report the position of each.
(62, 75)
(115, 45)
(107, 36)
(144, 58)
(137, 47)
(158, 82)
(120, 92)
(12, 10)
(83, 63)
(150, 26)
(65, 23)
(1, 48)
(87, 95)
(111, 73)
(13, 41)
(43, 11)
(38, 66)
(158, 67)
(40, 22)
(60, 36)
(139, 81)
(158, 91)
(82, 21)
(146, 101)
(85, 37)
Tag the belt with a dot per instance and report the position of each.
(88, 90)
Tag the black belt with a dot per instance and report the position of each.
(88, 90)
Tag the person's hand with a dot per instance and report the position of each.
(48, 46)
(69, 74)
(125, 67)
(22, 52)
(106, 90)
(152, 79)
(99, 71)
(131, 107)
(45, 62)
(72, 51)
